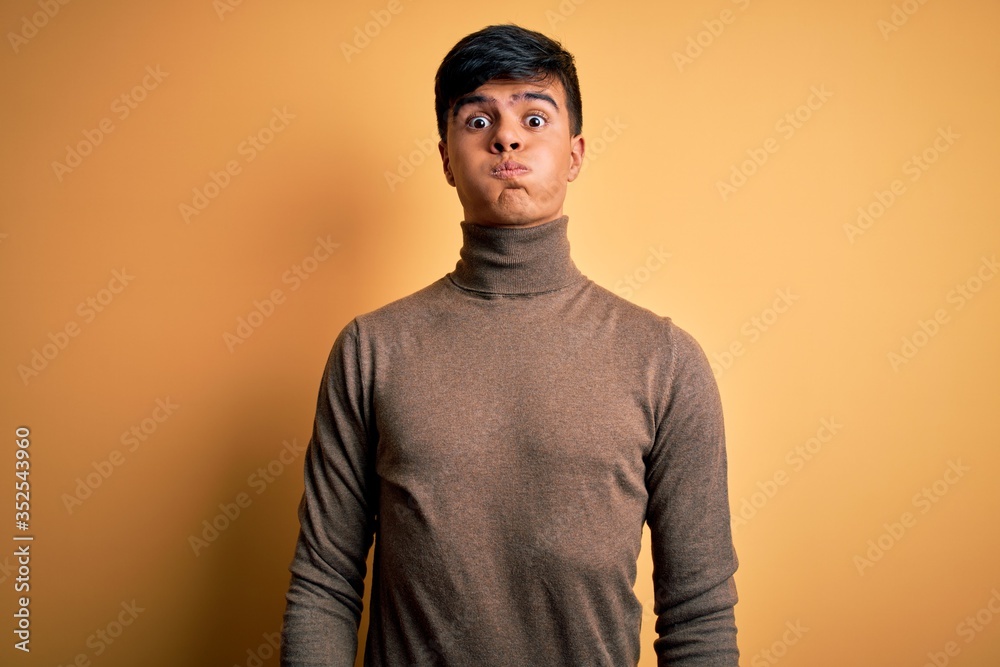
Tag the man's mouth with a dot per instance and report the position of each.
(509, 169)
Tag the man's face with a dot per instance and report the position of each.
(509, 152)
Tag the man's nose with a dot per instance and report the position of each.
(506, 137)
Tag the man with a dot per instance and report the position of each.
(504, 432)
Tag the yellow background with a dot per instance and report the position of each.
(672, 130)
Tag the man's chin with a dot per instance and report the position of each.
(513, 209)
(517, 222)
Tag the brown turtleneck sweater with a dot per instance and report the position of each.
(503, 434)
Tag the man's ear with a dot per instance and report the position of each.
(446, 163)
(575, 157)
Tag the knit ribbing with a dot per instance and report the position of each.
(515, 260)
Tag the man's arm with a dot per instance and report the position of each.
(337, 519)
(688, 516)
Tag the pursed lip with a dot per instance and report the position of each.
(509, 169)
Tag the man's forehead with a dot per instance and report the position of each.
(514, 86)
(495, 91)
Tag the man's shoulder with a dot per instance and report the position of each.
(630, 315)
(615, 301)
(643, 324)
(404, 310)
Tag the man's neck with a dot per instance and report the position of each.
(515, 260)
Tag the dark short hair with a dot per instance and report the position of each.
(505, 51)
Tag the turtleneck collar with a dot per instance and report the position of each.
(515, 260)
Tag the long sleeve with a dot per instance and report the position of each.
(337, 516)
(688, 514)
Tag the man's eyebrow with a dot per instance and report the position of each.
(476, 98)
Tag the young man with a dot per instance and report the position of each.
(504, 432)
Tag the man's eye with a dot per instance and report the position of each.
(536, 120)
(478, 122)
